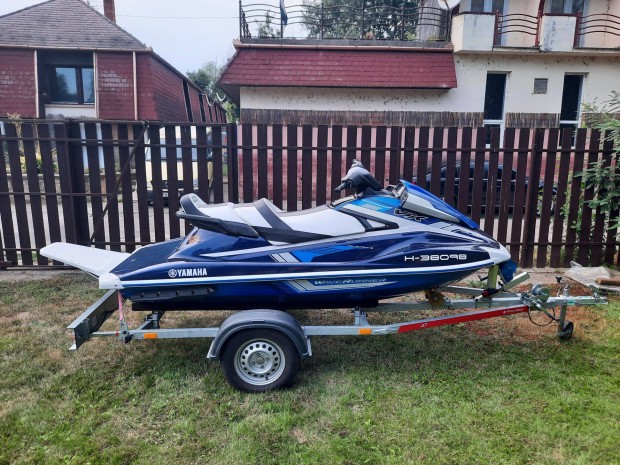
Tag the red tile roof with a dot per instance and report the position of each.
(339, 68)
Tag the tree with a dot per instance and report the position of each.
(266, 30)
(354, 19)
(603, 177)
(206, 78)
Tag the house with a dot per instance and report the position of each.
(62, 58)
(502, 63)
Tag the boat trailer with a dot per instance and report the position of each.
(260, 349)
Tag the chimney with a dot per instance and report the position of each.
(108, 10)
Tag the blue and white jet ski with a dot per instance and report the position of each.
(373, 245)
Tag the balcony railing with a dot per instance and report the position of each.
(317, 21)
(508, 26)
(547, 32)
(601, 23)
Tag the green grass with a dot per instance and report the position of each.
(499, 391)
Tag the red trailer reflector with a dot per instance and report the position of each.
(455, 319)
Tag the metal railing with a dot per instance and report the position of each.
(600, 23)
(317, 21)
(516, 23)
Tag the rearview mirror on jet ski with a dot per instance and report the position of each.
(359, 178)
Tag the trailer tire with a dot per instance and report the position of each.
(259, 360)
(567, 332)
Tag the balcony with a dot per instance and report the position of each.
(561, 33)
(367, 25)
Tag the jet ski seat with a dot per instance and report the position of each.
(262, 218)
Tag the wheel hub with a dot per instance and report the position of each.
(259, 362)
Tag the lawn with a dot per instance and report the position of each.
(496, 391)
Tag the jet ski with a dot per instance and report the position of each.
(372, 245)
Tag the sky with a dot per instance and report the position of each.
(186, 33)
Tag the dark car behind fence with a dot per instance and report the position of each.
(85, 182)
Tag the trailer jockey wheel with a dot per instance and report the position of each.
(567, 331)
(258, 360)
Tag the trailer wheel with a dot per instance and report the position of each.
(259, 360)
(567, 331)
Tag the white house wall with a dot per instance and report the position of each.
(601, 77)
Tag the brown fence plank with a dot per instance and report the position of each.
(276, 165)
(202, 164)
(306, 167)
(173, 157)
(109, 169)
(351, 146)
(575, 201)
(248, 162)
(584, 253)
(598, 232)
(544, 212)
(491, 204)
(19, 199)
(366, 146)
(78, 183)
(32, 176)
(141, 185)
(157, 182)
(566, 142)
(188, 159)
(336, 175)
(531, 206)
(232, 154)
(408, 154)
(450, 178)
(291, 168)
(94, 177)
(6, 216)
(263, 174)
(63, 156)
(610, 243)
(422, 158)
(395, 154)
(520, 195)
(380, 154)
(506, 194)
(321, 165)
(49, 183)
(436, 161)
(478, 178)
(126, 189)
(218, 165)
(464, 169)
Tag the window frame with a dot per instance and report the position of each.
(78, 70)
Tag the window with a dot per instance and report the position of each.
(72, 84)
(540, 85)
(571, 7)
(487, 6)
(571, 102)
(494, 102)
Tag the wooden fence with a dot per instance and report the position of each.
(103, 183)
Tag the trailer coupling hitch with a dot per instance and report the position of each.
(123, 333)
(538, 298)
